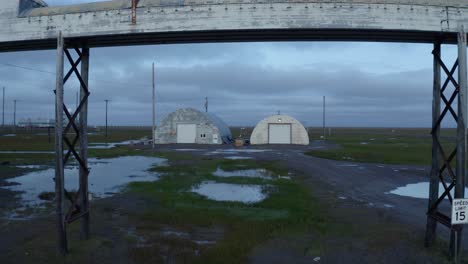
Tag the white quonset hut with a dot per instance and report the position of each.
(191, 126)
(279, 129)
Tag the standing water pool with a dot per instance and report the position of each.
(106, 177)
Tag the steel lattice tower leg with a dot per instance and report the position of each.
(78, 205)
(434, 176)
(442, 171)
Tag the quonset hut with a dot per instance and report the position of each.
(279, 129)
(191, 126)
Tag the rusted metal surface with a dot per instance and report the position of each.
(79, 203)
(442, 171)
(59, 164)
(134, 6)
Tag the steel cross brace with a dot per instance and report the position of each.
(79, 202)
(442, 171)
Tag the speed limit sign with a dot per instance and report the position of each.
(459, 211)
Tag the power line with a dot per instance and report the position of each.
(53, 73)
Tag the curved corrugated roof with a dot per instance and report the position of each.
(222, 127)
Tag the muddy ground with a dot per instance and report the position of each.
(377, 227)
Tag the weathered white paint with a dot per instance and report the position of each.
(186, 133)
(261, 132)
(189, 125)
(279, 134)
(201, 21)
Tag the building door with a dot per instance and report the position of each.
(186, 133)
(279, 133)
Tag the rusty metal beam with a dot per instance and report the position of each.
(134, 5)
(79, 208)
(59, 166)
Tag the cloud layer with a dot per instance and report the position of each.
(365, 84)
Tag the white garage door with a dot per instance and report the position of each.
(186, 133)
(279, 134)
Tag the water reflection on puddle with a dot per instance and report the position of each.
(237, 158)
(236, 151)
(230, 192)
(252, 173)
(111, 145)
(25, 152)
(418, 190)
(105, 178)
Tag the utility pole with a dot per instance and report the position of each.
(107, 102)
(324, 117)
(3, 109)
(154, 108)
(206, 104)
(14, 112)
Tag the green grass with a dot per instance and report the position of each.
(38, 140)
(289, 209)
(35, 140)
(402, 146)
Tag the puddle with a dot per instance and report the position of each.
(251, 173)
(418, 190)
(188, 149)
(237, 158)
(236, 151)
(25, 152)
(348, 165)
(106, 177)
(230, 192)
(10, 135)
(364, 143)
(200, 236)
(30, 166)
(388, 206)
(111, 145)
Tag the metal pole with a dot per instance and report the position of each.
(14, 113)
(431, 225)
(323, 118)
(206, 104)
(3, 108)
(461, 133)
(84, 199)
(59, 170)
(154, 109)
(107, 101)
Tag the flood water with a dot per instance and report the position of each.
(25, 152)
(230, 192)
(252, 173)
(238, 158)
(105, 178)
(419, 190)
(236, 151)
(111, 145)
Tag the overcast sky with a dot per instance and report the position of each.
(365, 84)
